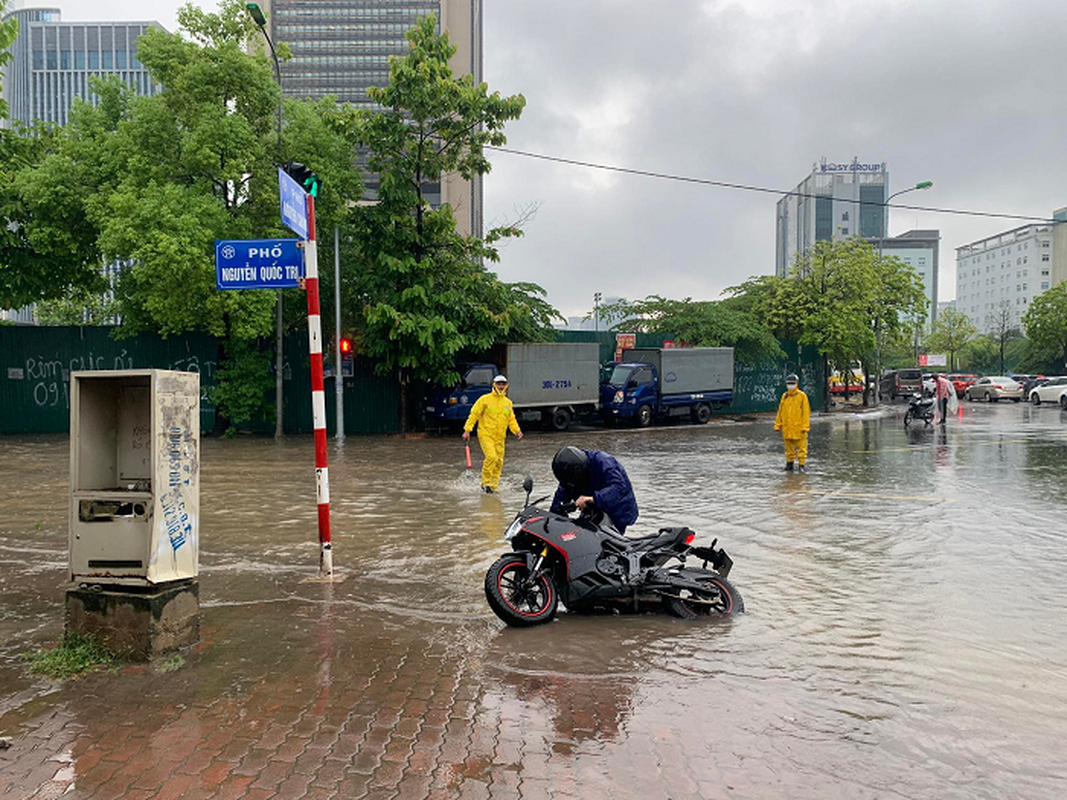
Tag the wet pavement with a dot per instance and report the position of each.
(904, 634)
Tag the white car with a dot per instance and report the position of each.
(1054, 390)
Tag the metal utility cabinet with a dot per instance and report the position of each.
(134, 477)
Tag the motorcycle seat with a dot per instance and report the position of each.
(666, 536)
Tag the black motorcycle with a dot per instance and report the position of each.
(558, 558)
(919, 408)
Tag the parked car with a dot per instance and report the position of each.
(1031, 383)
(929, 383)
(1053, 390)
(995, 388)
(961, 382)
(900, 383)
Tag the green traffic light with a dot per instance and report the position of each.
(311, 185)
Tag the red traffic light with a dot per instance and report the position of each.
(346, 347)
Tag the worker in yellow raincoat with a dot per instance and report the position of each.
(494, 416)
(794, 421)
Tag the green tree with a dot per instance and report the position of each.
(1003, 329)
(154, 181)
(1046, 323)
(898, 304)
(419, 289)
(702, 323)
(950, 334)
(825, 302)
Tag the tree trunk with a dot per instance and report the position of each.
(866, 388)
(826, 384)
(403, 403)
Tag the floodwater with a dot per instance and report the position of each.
(904, 634)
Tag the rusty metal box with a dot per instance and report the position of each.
(134, 476)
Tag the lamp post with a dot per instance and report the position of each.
(596, 310)
(920, 186)
(258, 17)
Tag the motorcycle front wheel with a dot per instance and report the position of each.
(514, 598)
(907, 418)
(720, 600)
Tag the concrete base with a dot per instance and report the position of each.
(139, 625)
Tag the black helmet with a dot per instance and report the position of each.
(571, 466)
(791, 378)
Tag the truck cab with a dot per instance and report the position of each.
(454, 404)
(627, 388)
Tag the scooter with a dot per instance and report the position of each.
(558, 558)
(919, 408)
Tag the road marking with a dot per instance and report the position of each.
(880, 496)
(926, 447)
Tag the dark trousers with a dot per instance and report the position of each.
(943, 403)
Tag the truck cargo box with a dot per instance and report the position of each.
(688, 370)
(565, 373)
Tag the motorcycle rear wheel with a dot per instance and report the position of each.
(519, 606)
(721, 600)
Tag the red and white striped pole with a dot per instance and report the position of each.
(318, 393)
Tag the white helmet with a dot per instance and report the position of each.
(500, 379)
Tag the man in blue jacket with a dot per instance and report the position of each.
(593, 478)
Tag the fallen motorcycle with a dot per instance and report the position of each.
(919, 408)
(558, 558)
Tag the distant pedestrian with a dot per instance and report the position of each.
(946, 398)
(794, 421)
(494, 415)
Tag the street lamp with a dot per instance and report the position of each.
(261, 20)
(596, 310)
(920, 186)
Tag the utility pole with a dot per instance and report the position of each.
(878, 321)
(596, 310)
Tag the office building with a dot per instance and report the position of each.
(52, 62)
(920, 249)
(341, 48)
(1059, 247)
(838, 199)
(1012, 267)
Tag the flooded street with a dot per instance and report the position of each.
(904, 634)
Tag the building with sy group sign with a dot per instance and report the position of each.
(838, 199)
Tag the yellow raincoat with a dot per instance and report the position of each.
(794, 421)
(494, 416)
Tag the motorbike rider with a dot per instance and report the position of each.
(946, 396)
(794, 421)
(494, 415)
(593, 479)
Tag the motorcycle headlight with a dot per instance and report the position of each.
(513, 529)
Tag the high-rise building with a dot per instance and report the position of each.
(919, 249)
(1006, 270)
(836, 200)
(52, 62)
(342, 47)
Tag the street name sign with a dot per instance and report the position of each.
(258, 264)
(294, 204)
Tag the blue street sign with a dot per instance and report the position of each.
(258, 264)
(294, 204)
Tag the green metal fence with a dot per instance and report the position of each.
(35, 366)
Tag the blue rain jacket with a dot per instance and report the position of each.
(609, 487)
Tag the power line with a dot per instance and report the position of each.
(764, 189)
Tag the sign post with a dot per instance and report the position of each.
(298, 214)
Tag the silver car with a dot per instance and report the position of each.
(995, 388)
(1053, 390)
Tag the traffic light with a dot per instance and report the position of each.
(346, 347)
(347, 367)
(304, 176)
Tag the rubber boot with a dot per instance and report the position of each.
(801, 468)
(788, 466)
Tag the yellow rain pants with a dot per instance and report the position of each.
(494, 416)
(796, 450)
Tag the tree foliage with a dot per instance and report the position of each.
(950, 334)
(1046, 323)
(701, 323)
(420, 290)
(154, 181)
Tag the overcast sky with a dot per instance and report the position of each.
(969, 95)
